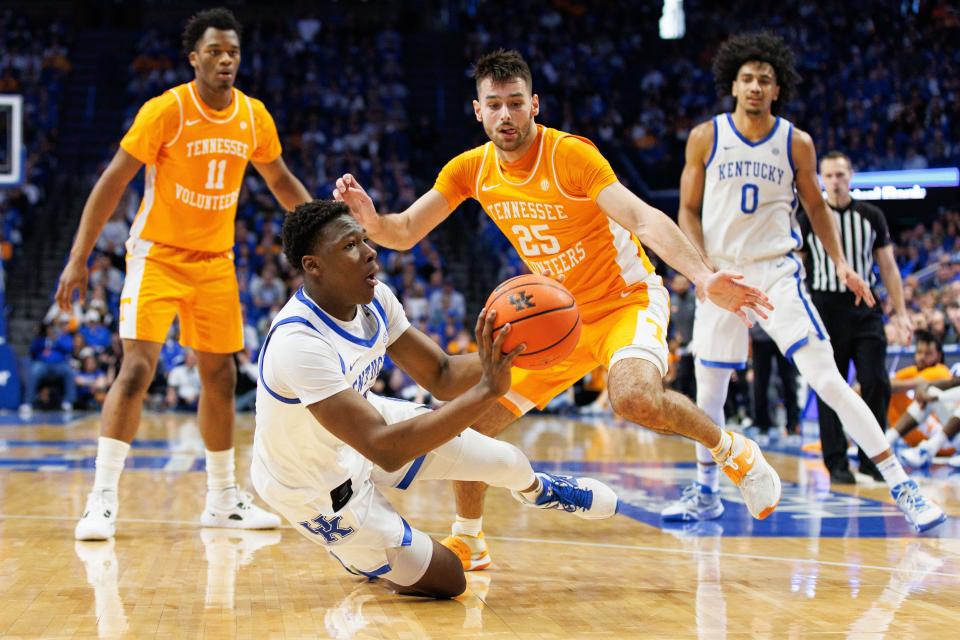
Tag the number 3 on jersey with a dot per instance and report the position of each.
(215, 171)
(749, 197)
(533, 241)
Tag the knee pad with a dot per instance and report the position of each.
(408, 564)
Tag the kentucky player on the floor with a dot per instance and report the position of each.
(745, 170)
(325, 445)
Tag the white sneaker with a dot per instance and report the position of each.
(758, 482)
(697, 503)
(234, 509)
(99, 519)
(584, 497)
(916, 457)
(922, 514)
(954, 461)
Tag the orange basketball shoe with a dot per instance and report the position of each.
(472, 550)
(758, 482)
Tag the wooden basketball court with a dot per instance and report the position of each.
(836, 563)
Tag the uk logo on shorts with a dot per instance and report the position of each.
(329, 529)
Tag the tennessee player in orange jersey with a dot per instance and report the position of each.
(195, 141)
(559, 202)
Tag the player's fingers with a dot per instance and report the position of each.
(761, 300)
(488, 323)
(62, 297)
(869, 297)
(337, 195)
(510, 357)
(478, 329)
(743, 317)
(499, 340)
(758, 310)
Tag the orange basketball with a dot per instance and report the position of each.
(542, 314)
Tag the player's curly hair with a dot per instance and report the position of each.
(218, 18)
(762, 46)
(502, 66)
(302, 228)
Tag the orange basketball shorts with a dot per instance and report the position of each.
(613, 330)
(199, 287)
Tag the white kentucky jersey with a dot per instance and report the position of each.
(749, 200)
(307, 357)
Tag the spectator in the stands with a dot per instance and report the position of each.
(50, 353)
(183, 383)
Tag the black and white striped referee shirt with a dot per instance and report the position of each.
(863, 230)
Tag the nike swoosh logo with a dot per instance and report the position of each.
(748, 461)
(487, 187)
(624, 294)
(190, 123)
(730, 147)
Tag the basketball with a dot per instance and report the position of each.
(542, 314)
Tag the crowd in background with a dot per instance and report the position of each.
(341, 104)
(34, 63)
(880, 81)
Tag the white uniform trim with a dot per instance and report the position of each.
(137, 252)
(203, 113)
(180, 126)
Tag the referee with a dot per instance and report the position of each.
(856, 331)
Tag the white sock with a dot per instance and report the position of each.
(708, 474)
(815, 363)
(468, 526)
(934, 443)
(892, 435)
(892, 471)
(111, 455)
(220, 470)
(532, 494)
(712, 386)
(724, 448)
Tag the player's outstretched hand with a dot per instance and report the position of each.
(857, 285)
(348, 190)
(725, 290)
(73, 278)
(496, 365)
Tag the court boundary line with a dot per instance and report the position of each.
(573, 543)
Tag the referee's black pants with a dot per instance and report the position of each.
(856, 333)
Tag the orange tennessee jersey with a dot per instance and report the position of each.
(900, 401)
(195, 159)
(545, 204)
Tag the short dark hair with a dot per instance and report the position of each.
(922, 335)
(302, 228)
(502, 65)
(836, 155)
(218, 18)
(761, 46)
